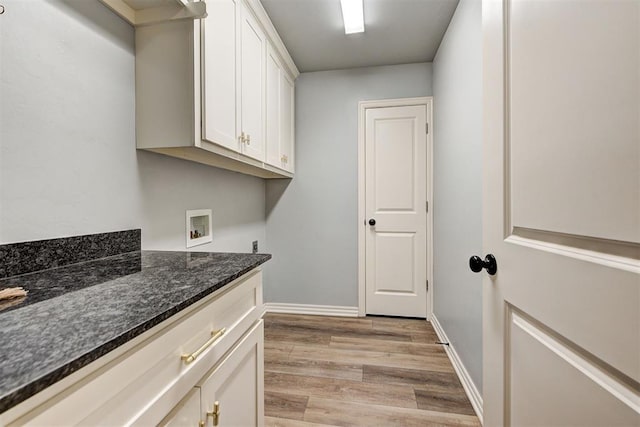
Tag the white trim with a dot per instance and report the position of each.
(317, 310)
(362, 107)
(467, 383)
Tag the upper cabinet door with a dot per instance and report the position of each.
(273, 109)
(287, 136)
(252, 85)
(219, 73)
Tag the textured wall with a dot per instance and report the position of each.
(457, 91)
(312, 220)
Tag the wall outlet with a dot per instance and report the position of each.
(255, 246)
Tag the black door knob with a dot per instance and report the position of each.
(372, 222)
(476, 264)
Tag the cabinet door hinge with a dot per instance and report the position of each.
(427, 285)
(427, 128)
(427, 206)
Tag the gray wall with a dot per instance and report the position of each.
(312, 220)
(68, 163)
(457, 91)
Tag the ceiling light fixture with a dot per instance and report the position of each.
(353, 16)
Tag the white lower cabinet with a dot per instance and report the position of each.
(152, 379)
(232, 393)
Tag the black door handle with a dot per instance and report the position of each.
(372, 222)
(476, 264)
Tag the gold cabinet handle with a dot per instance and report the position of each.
(243, 137)
(215, 414)
(215, 335)
(248, 139)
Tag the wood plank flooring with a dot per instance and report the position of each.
(373, 371)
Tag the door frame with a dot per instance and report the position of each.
(362, 109)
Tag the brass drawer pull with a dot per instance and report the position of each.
(215, 335)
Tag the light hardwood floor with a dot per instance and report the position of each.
(374, 371)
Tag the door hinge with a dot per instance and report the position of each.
(427, 206)
(427, 285)
(427, 128)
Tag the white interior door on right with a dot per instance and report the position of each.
(561, 316)
(396, 211)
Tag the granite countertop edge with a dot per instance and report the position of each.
(28, 390)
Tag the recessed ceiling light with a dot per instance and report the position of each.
(353, 16)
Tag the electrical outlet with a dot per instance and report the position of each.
(255, 246)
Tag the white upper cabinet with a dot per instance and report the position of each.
(273, 108)
(287, 114)
(280, 93)
(252, 85)
(219, 74)
(146, 12)
(217, 90)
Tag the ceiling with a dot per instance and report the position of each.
(396, 32)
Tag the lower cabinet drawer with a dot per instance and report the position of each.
(143, 384)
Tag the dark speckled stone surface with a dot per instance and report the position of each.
(83, 311)
(27, 257)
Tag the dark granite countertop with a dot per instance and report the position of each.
(77, 313)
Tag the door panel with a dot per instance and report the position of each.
(561, 116)
(219, 74)
(253, 50)
(561, 333)
(237, 384)
(582, 391)
(287, 122)
(273, 110)
(394, 153)
(395, 269)
(396, 191)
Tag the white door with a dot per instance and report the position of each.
(396, 212)
(562, 212)
(252, 86)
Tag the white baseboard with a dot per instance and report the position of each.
(318, 310)
(469, 387)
